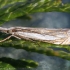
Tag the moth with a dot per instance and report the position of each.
(54, 36)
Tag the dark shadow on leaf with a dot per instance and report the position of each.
(17, 63)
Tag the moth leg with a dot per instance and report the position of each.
(25, 38)
(16, 37)
(6, 38)
(9, 38)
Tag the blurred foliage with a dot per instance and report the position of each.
(6, 66)
(42, 48)
(17, 63)
(10, 10)
(14, 9)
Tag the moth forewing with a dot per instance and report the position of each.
(55, 36)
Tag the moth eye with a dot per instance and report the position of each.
(7, 31)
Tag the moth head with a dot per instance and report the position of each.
(6, 30)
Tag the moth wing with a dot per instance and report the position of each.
(55, 36)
